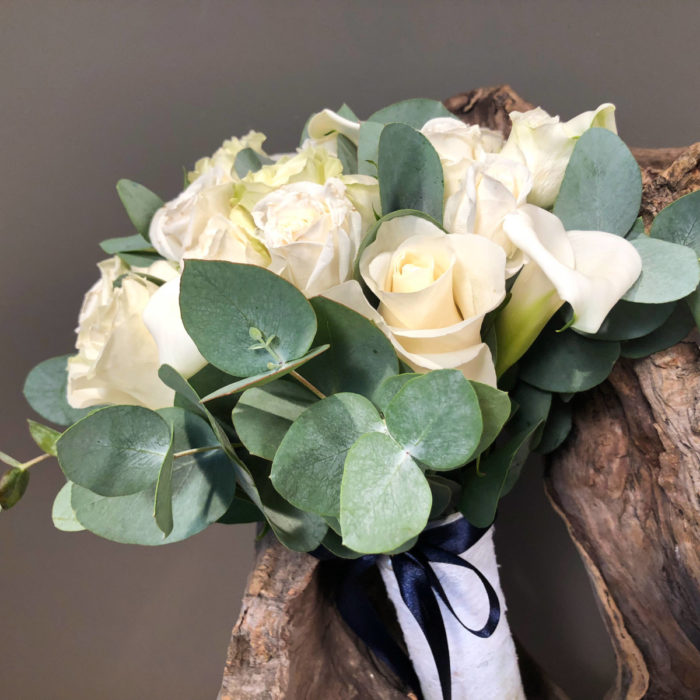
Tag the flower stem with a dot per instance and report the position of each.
(34, 461)
(307, 384)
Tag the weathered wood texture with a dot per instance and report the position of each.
(626, 483)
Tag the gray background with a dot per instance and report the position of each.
(94, 91)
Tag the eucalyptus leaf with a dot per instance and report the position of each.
(249, 161)
(368, 148)
(360, 355)
(308, 465)
(126, 244)
(13, 484)
(266, 377)
(163, 500)
(203, 486)
(637, 229)
(263, 415)
(567, 362)
(497, 473)
(333, 542)
(46, 391)
(409, 172)
(10, 461)
(240, 511)
(62, 513)
(533, 408)
(557, 427)
(602, 185)
(442, 497)
(346, 112)
(677, 327)
(140, 204)
(437, 419)
(679, 222)
(495, 410)
(116, 451)
(669, 272)
(347, 155)
(44, 437)
(385, 499)
(389, 388)
(414, 112)
(223, 303)
(628, 320)
(140, 259)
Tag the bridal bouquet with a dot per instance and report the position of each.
(358, 344)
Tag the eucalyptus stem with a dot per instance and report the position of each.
(307, 384)
(34, 461)
(196, 450)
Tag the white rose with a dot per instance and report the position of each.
(492, 189)
(459, 145)
(544, 144)
(434, 290)
(312, 232)
(224, 158)
(202, 223)
(591, 270)
(117, 360)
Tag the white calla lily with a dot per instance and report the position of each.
(164, 322)
(327, 121)
(544, 144)
(591, 270)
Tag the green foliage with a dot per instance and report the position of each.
(602, 186)
(241, 510)
(10, 461)
(308, 466)
(116, 451)
(249, 161)
(415, 112)
(495, 410)
(368, 148)
(44, 437)
(203, 486)
(126, 244)
(628, 320)
(264, 378)
(263, 415)
(409, 172)
(436, 418)
(636, 230)
(385, 499)
(140, 204)
(557, 427)
(533, 406)
(679, 222)
(567, 362)
(45, 390)
(389, 388)
(13, 484)
(62, 513)
(223, 304)
(347, 155)
(669, 272)
(495, 476)
(360, 355)
(675, 328)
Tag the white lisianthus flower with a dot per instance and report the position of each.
(459, 145)
(434, 290)
(312, 232)
(544, 144)
(117, 360)
(224, 157)
(324, 127)
(591, 270)
(492, 189)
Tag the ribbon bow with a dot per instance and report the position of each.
(420, 590)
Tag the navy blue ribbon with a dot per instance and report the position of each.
(420, 590)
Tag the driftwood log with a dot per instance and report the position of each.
(626, 482)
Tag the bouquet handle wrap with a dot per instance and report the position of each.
(482, 668)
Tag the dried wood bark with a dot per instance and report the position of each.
(626, 483)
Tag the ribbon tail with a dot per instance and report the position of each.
(417, 594)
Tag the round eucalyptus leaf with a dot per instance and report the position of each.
(389, 388)
(203, 486)
(677, 327)
(115, 451)
(46, 391)
(308, 465)
(409, 172)
(368, 148)
(679, 222)
(628, 320)
(244, 319)
(414, 112)
(263, 415)
(62, 513)
(360, 355)
(437, 419)
(385, 498)
(669, 272)
(495, 410)
(557, 427)
(567, 362)
(602, 186)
